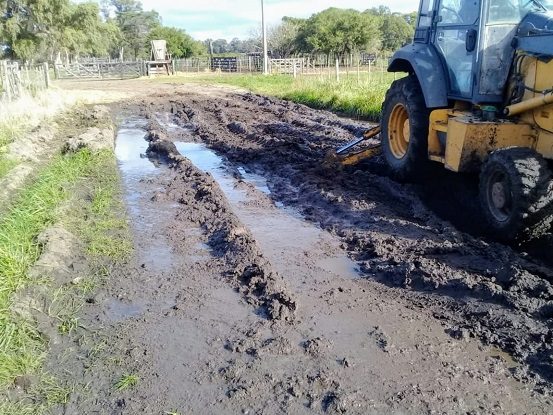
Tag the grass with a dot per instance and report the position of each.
(10, 130)
(126, 382)
(356, 97)
(22, 348)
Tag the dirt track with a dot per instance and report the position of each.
(276, 284)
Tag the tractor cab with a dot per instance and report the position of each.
(463, 49)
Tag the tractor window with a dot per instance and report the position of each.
(513, 11)
(425, 13)
(459, 12)
(504, 11)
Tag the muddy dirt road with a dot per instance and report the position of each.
(264, 282)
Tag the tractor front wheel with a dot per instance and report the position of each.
(405, 129)
(516, 194)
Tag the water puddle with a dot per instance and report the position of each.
(117, 310)
(130, 149)
(278, 230)
(339, 265)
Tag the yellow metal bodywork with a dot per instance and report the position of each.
(462, 142)
(538, 75)
(469, 140)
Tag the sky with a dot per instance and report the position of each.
(227, 19)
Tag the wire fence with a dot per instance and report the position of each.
(17, 80)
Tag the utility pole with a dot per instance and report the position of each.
(265, 53)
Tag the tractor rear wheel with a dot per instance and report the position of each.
(516, 194)
(405, 129)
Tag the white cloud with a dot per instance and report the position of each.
(235, 18)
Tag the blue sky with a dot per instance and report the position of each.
(237, 18)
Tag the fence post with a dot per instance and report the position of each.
(46, 75)
(6, 80)
(370, 64)
(337, 70)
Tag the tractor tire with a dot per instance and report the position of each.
(516, 194)
(404, 126)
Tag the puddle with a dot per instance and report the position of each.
(280, 231)
(130, 149)
(342, 266)
(117, 310)
(208, 161)
(258, 181)
(277, 230)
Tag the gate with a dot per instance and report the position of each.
(100, 70)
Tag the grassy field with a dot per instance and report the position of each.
(22, 348)
(359, 97)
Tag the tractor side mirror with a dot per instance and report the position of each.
(471, 40)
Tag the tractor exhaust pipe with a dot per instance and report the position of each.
(528, 105)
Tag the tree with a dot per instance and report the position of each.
(283, 38)
(33, 29)
(340, 31)
(220, 46)
(179, 43)
(395, 32)
(135, 25)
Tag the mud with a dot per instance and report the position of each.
(266, 282)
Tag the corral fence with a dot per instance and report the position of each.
(16, 79)
(101, 69)
(237, 64)
(298, 65)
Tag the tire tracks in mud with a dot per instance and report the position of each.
(203, 203)
(478, 288)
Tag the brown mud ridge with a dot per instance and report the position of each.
(302, 289)
(479, 288)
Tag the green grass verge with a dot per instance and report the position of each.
(96, 220)
(6, 165)
(353, 96)
(9, 132)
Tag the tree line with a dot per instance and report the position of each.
(49, 30)
(332, 31)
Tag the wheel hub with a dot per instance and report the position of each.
(399, 131)
(499, 197)
(406, 131)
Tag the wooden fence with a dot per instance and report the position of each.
(16, 80)
(239, 64)
(101, 70)
(292, 66)
(304, 64)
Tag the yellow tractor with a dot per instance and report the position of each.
(478, 97)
